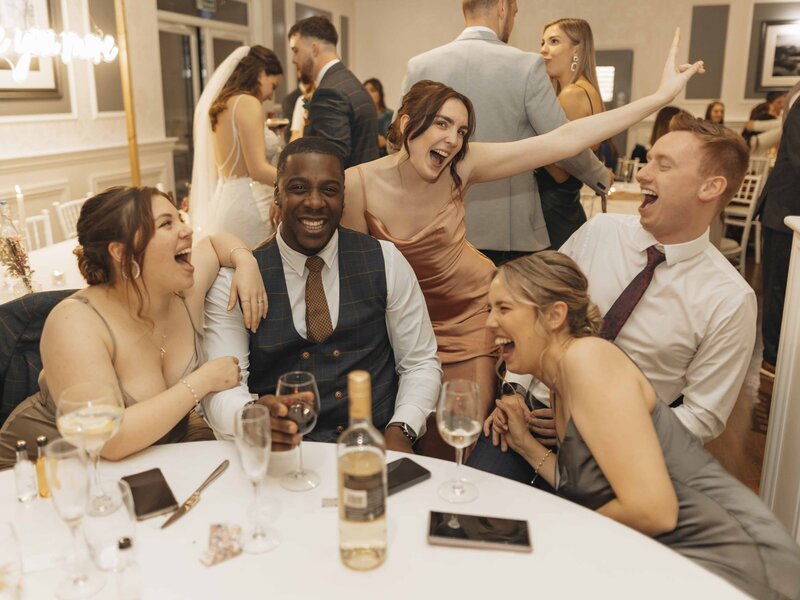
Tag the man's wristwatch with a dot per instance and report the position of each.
(407, 431)
(509, 389)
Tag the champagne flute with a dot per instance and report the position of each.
(302, 400)
(458, 421)
(102, 532)
(68, 479)
(88, 415)
(254, 443)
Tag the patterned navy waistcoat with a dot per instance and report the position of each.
(360, 340)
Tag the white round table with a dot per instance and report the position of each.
(44, 263)
(576, 552)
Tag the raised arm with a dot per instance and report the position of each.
(226, 250)
(250, 125)
(489, 162)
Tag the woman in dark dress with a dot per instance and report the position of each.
(621, 451)
(568, 53)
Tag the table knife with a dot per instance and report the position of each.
(195, 497)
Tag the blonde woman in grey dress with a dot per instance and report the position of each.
(621, 452)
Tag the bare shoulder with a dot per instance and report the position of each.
(591, 359)
(71, 320)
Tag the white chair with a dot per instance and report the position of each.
(68, 213)
(39, 230)
(739, 213)
(759, 165)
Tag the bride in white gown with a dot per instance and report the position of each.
(232, 176)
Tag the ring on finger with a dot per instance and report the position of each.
(259, 301)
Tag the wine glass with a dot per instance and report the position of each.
(458, 421)
(254, 442)
(302, 400)
(11, 584)
(102, 532)
(68, 479)
(88, 415)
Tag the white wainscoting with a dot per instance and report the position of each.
(780, 475)
(63, 176)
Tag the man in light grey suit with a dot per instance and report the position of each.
(513, 99)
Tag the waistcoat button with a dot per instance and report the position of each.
(340, 429)
(336, 354)
(338, 395)
(306, 355)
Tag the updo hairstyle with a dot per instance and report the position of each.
(544, 278)
(421, 104)
(118, 214)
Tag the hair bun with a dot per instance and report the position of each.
(93, 270)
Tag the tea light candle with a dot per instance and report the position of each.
(59, 278)
(20, 208)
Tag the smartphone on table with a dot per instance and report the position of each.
(403, 473)
(474, 531)
(151, 493)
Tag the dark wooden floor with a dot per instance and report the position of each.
(740, 449)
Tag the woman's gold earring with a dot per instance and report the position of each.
(574, 66)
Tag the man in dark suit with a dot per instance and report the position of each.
(778, 200)
(341, 110)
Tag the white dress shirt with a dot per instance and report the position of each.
(324, 70)
(693, 330)
(407, 323)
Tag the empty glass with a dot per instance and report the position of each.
(302, 400)
(458, 421)
(254, 443)
(102, 532)
(68, 479)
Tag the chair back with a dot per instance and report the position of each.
(759, 165)
(68, 213)
(739, 213)
(21, 324)
(38, 231)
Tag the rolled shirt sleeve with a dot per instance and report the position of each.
(413, 341)
(225, 335)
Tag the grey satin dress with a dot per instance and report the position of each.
(722, 525)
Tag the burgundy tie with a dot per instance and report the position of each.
(618, 314)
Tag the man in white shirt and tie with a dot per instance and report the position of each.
(338, 301)
(691, 328)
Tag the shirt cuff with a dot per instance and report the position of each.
(411, 416)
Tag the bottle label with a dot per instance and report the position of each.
(363, 497)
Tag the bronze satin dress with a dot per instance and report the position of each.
(454, 278)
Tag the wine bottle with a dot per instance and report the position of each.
(25, 474)
(361, 454)
(41, 475)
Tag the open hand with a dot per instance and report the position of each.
(675, 77)
(248, 288)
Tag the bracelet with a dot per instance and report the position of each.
(191, 389)
(539, 466)
(230, 254)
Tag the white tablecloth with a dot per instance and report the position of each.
(577, 553)
(44, 261)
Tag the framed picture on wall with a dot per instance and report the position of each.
(779, 65)
(42, 81)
